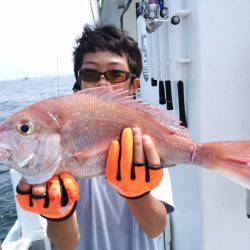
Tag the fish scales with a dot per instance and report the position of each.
(72, 133)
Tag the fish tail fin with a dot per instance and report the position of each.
(231, 159)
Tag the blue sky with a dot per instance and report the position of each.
(35, 35)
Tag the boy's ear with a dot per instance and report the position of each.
(134, 85)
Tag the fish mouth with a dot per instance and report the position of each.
(43, 176)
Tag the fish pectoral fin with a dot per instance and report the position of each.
(85, 154)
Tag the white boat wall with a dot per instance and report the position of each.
(204, 47)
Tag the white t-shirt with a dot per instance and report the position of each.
(105, 221)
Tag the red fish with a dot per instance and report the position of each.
(72, 134)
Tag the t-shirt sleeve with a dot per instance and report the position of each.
(164, 191)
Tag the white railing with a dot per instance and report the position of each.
(28, 228)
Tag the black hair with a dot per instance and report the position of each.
(107, 38)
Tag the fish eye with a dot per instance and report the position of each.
(26, 128)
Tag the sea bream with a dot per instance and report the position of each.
(73, 133)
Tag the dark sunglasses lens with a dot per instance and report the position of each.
(89, 75)
(116, 76)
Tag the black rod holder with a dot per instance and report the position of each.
(162, 97)
(153, 82)
(181, 103)
(169, 95)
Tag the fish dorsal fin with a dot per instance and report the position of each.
(121, 96)
(107, 93)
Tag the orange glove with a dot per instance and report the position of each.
(132, 180)
(59, 202)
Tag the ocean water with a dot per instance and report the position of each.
(14, 96)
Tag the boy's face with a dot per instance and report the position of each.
(103, 61)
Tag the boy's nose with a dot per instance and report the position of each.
(102, 82)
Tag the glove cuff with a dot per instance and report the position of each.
(65, 217)
(21, 192)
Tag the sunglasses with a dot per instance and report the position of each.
(112, 76)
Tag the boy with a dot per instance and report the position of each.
(106, 219)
